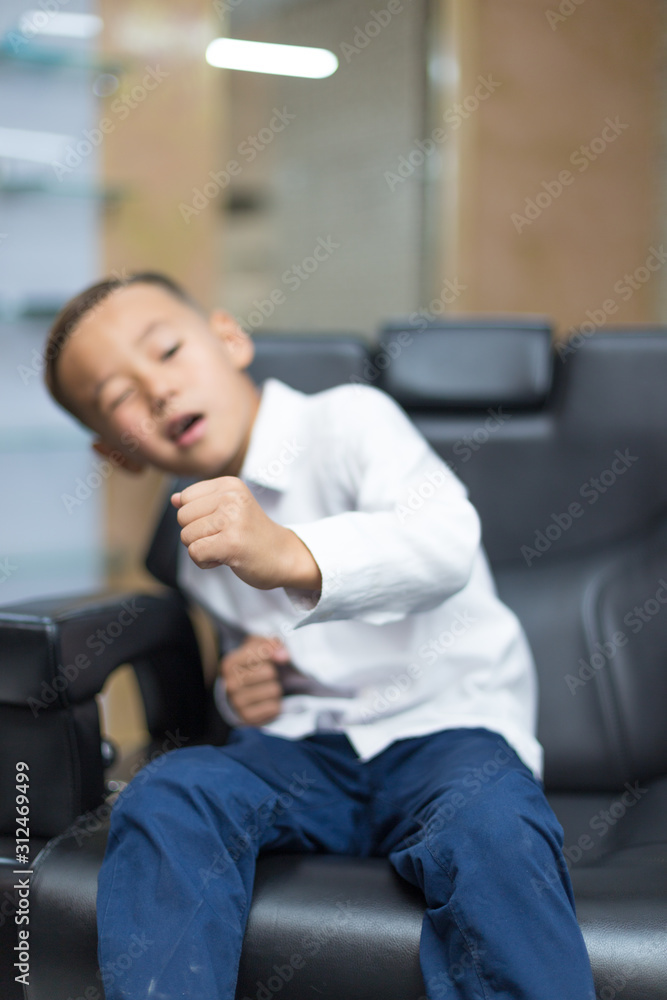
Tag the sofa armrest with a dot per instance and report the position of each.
(55, 656)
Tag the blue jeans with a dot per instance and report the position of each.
(456, 812)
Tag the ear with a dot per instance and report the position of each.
(117, 457)
(239, 345)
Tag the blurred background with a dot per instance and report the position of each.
(484, 156)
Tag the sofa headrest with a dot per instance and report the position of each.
(467, 363)
(309, 363)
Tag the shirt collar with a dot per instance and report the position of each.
(275, 440)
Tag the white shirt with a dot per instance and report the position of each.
(408, 636)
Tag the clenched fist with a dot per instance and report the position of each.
(224, 525)
(251, 679)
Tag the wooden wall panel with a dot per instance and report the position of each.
(562, 78)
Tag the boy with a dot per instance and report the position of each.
(378, 684)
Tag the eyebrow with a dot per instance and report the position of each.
(142, 336)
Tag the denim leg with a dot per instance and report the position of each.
(176, 883)
(459, 815)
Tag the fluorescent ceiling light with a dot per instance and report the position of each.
(39, 147)
(266, 57)
(43, 22)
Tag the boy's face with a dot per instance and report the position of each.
(161, 384)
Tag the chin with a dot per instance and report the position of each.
(190, 464)
(208, 470)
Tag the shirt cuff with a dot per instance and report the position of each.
(345, 586)
(303, 601)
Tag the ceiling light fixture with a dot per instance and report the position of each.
(267, 57)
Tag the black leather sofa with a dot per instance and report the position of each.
(566, 461)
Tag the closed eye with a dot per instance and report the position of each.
(120, 399)
(170, 352)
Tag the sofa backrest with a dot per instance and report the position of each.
(568, 472)
(565, 458)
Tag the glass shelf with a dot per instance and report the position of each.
(30, 311)
(42, 57)
(110, 196)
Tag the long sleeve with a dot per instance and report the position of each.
(410, 636)
(411, 537)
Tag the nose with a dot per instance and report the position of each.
(158, 405)
(160, 394)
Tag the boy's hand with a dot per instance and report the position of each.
(251, 679)
(223, 524)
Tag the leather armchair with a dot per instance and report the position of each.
(564, 458)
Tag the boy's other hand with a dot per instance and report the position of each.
(251, 679)
(223, 524)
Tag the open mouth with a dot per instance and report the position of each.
(186, 429)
